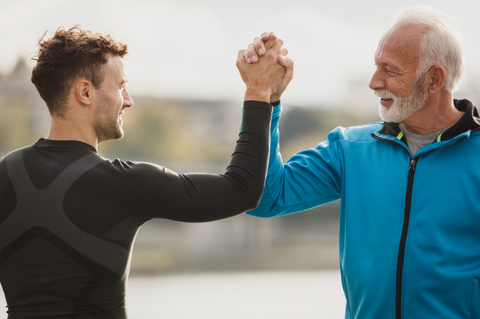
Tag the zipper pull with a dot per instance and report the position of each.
(411, 169)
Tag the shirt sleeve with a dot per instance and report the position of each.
(308, 179)
(146, 190)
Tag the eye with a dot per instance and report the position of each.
(123, 85)
(391, 73)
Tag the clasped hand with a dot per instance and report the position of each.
(265, 68)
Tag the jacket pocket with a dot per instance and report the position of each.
(475, 303)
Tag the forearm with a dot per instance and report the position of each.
(268, 205)
(197, 197)
(240, 188)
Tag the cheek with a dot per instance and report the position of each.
(121, 98)
(399, 87)
(117, 101)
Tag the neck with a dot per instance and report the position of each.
(438, 113)
(66, 129)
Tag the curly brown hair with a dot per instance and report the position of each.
(66, 56)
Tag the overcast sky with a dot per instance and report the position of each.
(188, 48)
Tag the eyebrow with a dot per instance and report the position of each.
(388, 64)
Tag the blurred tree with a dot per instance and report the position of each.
(151, 131)
(303, 128)
(298, 122)
(15, 130)
(165, 130)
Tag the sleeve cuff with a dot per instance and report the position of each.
(250, 103)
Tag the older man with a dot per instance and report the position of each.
(410, 187)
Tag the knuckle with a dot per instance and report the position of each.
(271, 56)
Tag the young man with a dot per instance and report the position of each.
(68, 217)
(409, 239)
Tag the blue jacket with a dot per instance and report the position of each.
(409, 227)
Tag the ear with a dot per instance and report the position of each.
(436, 78)
(83, 91)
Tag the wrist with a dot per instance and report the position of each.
(275, 103)
(274, 98)
(257, 95)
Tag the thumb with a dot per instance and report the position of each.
(285, 61)
(288, 64)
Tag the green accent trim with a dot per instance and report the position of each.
(439, 138)
(399, 136)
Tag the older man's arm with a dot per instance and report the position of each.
(311, 177)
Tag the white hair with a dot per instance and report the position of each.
(442, 43)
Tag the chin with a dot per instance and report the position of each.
(112, 134)
(118, 134)
(385, 113)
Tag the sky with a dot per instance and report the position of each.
(188, 48)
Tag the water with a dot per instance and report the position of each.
(278, 295)
(255, 295)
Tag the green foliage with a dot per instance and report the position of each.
(151, 128)
(15, 128)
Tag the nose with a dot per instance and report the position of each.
(377, 82)
(127, 99)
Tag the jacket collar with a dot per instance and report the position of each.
(470, 121)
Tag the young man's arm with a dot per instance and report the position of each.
(148, 191)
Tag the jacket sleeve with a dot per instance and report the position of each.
(308, 179)
(146, 190)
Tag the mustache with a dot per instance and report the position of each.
(385, 94)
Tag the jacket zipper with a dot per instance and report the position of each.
(403, 239)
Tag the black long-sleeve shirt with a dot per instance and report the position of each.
(68, 217)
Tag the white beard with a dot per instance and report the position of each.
(402, 108)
